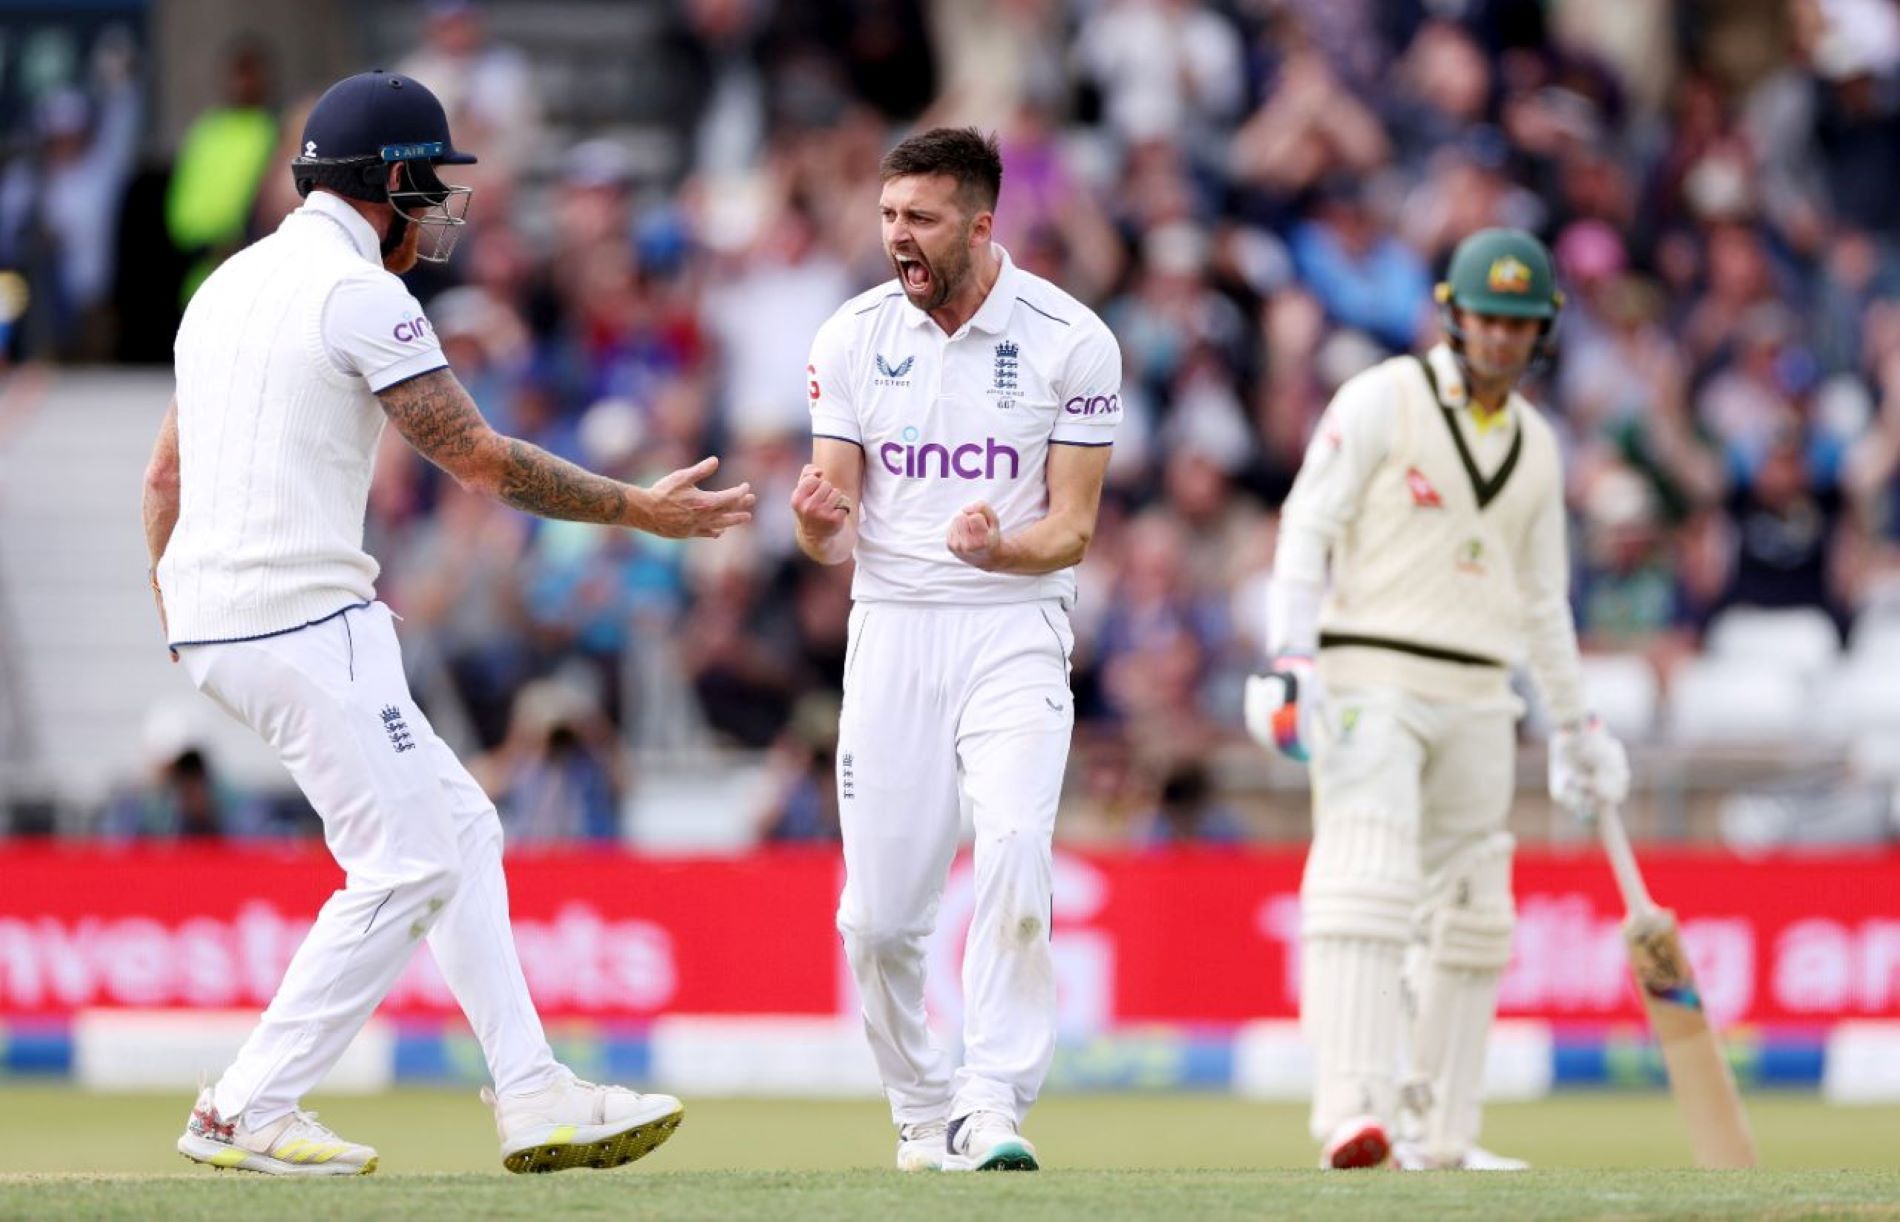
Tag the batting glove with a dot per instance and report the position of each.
(1589, 770)
(1283, 705)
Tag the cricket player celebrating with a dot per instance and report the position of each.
(289, 360)
(961, 419)
(1432, 495)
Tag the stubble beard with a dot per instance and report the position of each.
(407, 253)
(944, 278)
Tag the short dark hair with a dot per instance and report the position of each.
(964, 153)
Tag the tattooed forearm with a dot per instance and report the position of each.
(537, 481)
(438, 418)
(444, 425)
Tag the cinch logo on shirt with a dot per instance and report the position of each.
(933, 461)
(1093, 405)
(410, 330)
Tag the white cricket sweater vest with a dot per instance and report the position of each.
(276, 445)
(1424, 590)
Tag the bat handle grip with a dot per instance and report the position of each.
(1629, 879)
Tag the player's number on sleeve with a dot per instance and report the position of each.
(812, 385)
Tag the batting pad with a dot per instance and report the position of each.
(1469, 921)
(1358, 902)
(1470, 911)
(1362, 879)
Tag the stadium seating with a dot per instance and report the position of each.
(1725, 700)
(1800, 640)
(1875, 639)
(1621, 689)
(73, 560)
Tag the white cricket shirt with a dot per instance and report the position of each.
(279, 359)
(945, 420)
(1445, 539)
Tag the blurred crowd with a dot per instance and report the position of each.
(1257, 195)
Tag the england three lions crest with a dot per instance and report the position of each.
(1006, 384)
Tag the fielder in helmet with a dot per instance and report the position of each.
(377, 137)
(1421, 557)
(292, 358)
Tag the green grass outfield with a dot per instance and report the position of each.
(1179, 1157)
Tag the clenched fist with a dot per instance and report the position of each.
(975, 536)
(820, 507)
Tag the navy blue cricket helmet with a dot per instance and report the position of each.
(366, 123)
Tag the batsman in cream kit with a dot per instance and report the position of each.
(961, 418)
(1421, 555)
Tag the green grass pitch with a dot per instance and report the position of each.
(64, 1153)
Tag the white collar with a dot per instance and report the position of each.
(1451, 379)
(324, 203)
(993, 315)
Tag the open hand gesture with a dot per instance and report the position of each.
(682, 510)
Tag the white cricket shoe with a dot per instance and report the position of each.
(987, 1141)
(291, 1145)
(1411, 1156)
(578, 1124)
(1357, 1143)
(1477, 1158)
(922, 1146)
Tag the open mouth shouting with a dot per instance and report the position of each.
(920, 282)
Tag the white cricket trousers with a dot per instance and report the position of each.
(1410, 799)
(943, 705)
(420, 847)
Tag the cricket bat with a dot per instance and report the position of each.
(1699, 1075)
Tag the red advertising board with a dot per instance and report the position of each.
(1182, 936)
